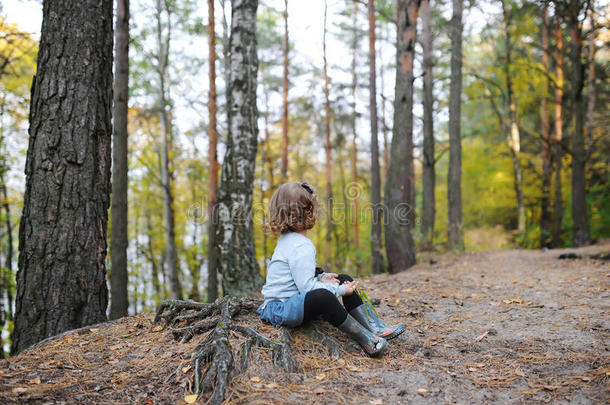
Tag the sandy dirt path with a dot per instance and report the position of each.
(509, 326)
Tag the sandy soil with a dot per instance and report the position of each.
(509, 326)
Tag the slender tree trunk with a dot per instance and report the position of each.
(558, 135)
(61, 283)
(513, 137)
(428, 175)
(400, 247)
(7, 271)
(579, 192)
(590, 89)
(384, 124)
(267, 165)
(354, 155)
(171, 254)
(285, 97)
(150, 255)
(234, 231)
(376, 244)
(545, 216)
(212, 160)
(118, 237)
(454, 178)
(329, 184)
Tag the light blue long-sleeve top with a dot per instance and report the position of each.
(292, 269)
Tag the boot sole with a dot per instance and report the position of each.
(400, 329)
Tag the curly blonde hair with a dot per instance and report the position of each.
(293, 208)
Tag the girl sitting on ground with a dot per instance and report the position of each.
(294, 293)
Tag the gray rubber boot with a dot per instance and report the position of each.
(365, 314)
(373, 345)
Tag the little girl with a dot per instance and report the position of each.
(294, 294)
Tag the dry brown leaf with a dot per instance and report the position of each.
(320, 376)
(255, 379)
(35, 381)
(158, 328)
(185, 369)
(422, 391)
(94, 329)
(190, 399)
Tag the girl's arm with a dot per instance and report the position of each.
(303, 267)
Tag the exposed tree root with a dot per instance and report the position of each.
(331, 344)
(215, 354)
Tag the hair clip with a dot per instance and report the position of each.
(307, 187)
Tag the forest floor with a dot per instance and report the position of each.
(507, 326)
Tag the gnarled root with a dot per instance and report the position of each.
(215, 352)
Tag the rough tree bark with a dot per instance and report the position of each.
(285, 84)
(377, 209)
(234, 226)
(212, 160)
(428, 175)
(118, 238)
(558, 134)
(455, 237)
(61, 282)
(581, 236)
(513, 136)
(329, 184)
(400, 247)
(545, 215)
(171, 253)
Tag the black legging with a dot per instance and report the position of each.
(322, 302)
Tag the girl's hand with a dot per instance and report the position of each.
(350, 287)
(329, 278)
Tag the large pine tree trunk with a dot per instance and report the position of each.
(118, 238)
(234, 234)
(400, 247)
(580, 218)
(428, 176)
(171, 253)
(454, 178)
(212, 159)
(545, 216)
(558, 135)
(329, 184)
(285, 97)
(376, 245)
(513, 136)
(61, 283)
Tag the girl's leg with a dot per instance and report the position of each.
(366, 315)
(323, 302)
